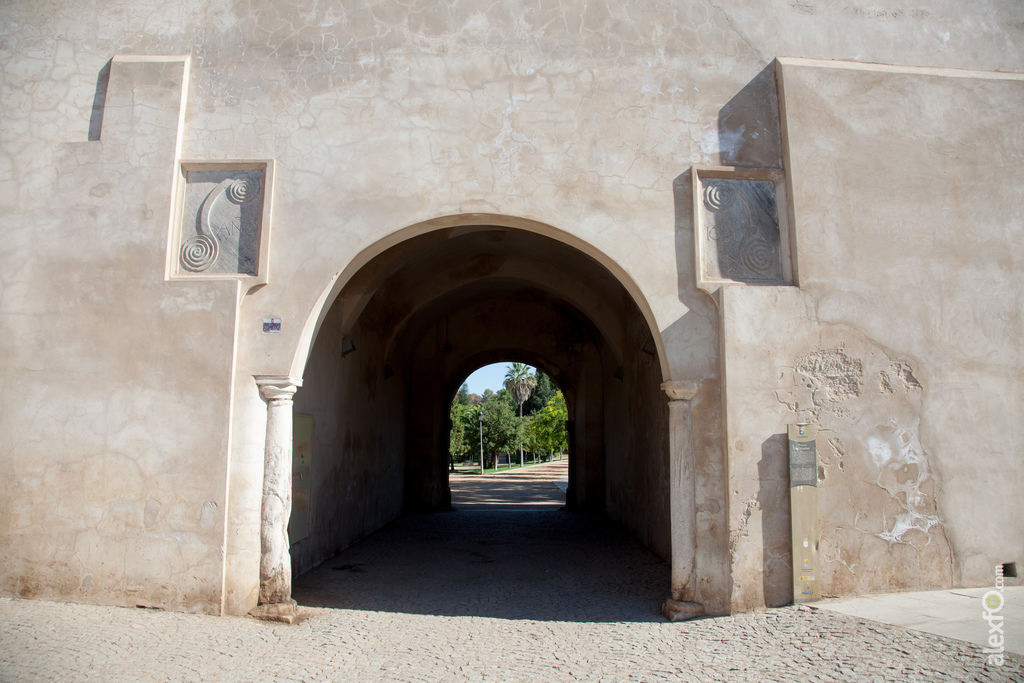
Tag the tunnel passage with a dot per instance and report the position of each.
(406, 329)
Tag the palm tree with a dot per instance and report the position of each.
(519, 382)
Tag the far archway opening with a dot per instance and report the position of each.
(409, 326)
(508, 441)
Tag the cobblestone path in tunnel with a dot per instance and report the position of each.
(533, 564)
(479, 595)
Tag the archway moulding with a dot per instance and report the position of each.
(470, 222)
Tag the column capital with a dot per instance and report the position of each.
(680, 390)
(277, 387)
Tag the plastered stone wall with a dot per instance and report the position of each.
(902, 342)
(379, 116)
(105, 424)
(880, 524)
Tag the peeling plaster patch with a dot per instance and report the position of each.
(835, 378)
(880, 452)
(905, 373)
(101, 190)
(903, 470)
(884, 386)
(831, 459)
(743, 530)
(740, 549)
(838, 451)
(803, 7)
(898, 372)
(207, 514)
(870, 404)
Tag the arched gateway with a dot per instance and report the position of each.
(204, 209)
(386, 346)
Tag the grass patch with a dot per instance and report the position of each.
(475, 469)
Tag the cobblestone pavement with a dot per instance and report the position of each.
(542, 595)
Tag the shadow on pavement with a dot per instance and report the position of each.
(533, 564)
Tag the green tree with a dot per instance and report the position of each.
(463, 396)
(458, 442)
(529, 434)
(519, 382)
(503, 396)
(542, 393)
(548, 425)
(499, 428)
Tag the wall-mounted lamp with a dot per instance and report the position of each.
(649, 348)
(347, 346)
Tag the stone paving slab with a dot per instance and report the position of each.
(545, 596)
(954, 613)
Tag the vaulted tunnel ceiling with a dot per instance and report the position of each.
(424, 279)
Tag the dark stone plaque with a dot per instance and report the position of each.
(741, 230)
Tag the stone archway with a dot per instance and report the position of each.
(396, 332)
(557, 375)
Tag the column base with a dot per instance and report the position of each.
(283, 612)
(677, 610)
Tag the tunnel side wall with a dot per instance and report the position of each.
(636, 441)
(358, 441)
(443, 346)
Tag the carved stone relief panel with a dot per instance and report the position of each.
(223, 212)
(740, 223)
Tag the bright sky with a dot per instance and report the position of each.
(489, 377)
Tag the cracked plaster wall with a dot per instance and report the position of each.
(903, 341)
(103, 420)
(378, 115)
(881, 529)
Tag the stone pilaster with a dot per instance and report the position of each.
(682, 605)
(275, 602)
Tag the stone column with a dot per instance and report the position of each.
(681, 605)
(275, 602)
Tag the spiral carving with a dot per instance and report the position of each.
(718, 198)
(199, 253)
(244, 189)
(758, 256)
